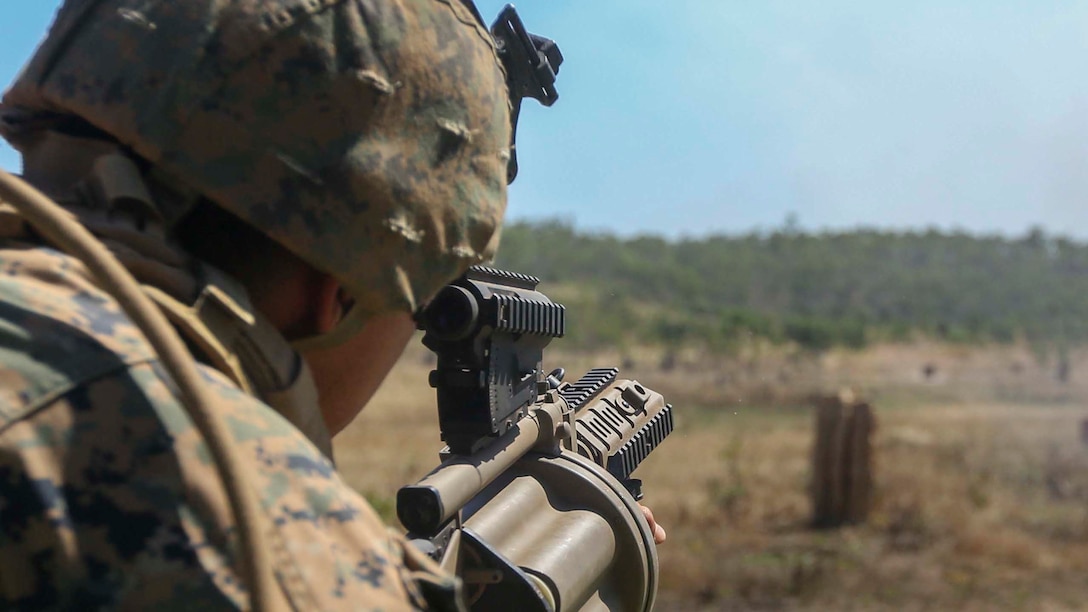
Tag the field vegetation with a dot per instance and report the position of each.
(811, 290)
(982, 486)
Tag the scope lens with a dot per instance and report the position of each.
(452, 314)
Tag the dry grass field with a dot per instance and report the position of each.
(981, 474)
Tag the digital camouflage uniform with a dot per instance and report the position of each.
(108, 496)
(369, 137)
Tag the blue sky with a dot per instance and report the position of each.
(723, 116)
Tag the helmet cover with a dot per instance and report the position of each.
(370, 138)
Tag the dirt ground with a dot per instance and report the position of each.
(981, 476)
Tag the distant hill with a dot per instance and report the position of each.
(815, 290)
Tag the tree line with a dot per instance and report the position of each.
(815, 290)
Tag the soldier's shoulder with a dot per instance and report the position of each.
(333, 549)
(137, 480)
(57, 330)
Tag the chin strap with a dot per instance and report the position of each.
(242, 344)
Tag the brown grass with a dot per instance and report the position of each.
(982, 499)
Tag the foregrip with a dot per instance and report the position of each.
(619, 422)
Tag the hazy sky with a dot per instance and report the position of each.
(709, 116)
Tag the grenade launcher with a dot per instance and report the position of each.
(533, 504)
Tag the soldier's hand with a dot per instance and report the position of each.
(657, 530)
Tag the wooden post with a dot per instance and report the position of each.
(825, 488)
(858, 464)
(842, 475)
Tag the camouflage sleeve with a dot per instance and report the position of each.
(109, 499)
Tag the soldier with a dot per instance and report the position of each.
(289, 180)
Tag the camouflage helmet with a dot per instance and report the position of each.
(369, 138)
